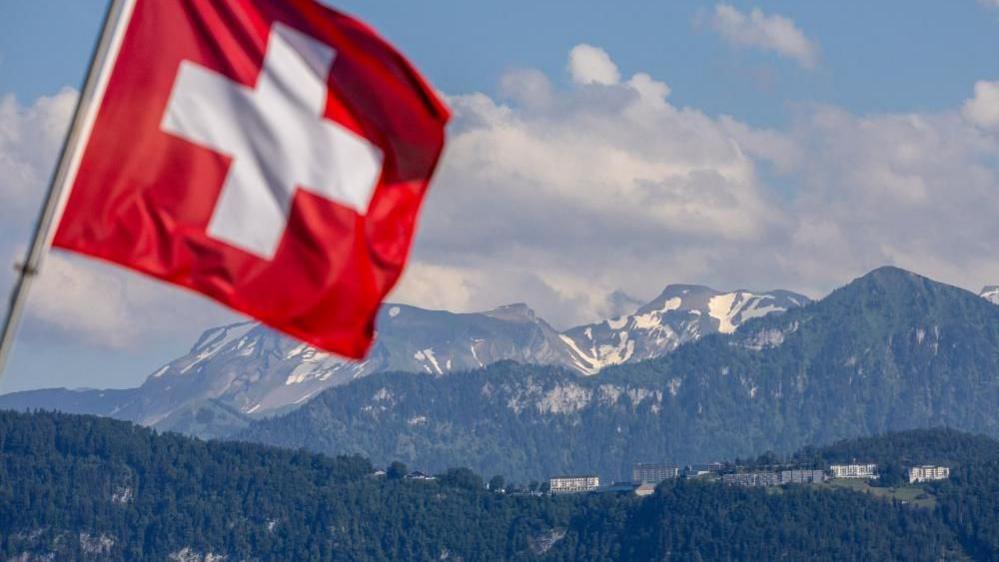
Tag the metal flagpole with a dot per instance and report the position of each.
(52, 208)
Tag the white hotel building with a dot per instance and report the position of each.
(927, 473)
(573, 484)
(869, 471)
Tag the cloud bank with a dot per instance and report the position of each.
(562, 196)
(983, 109)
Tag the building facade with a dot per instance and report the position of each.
(697, 470)
(571, 484)
(801, 476)
(752, 479)
(928, 473)
(869, 471)
(645, 473)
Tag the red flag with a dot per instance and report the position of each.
(271, 154)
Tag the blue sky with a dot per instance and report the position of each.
(875, 56)
(799, 90)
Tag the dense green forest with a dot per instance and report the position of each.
(86, 488)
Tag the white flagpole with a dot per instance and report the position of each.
(115, 19)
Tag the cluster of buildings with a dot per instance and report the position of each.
(577, 483)
(766, 478)
(645, 476)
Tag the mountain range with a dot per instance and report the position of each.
(236, 373)
(692, 376)
(889, 351)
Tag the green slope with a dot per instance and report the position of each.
(84, 488)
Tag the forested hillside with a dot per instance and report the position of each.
(85, 488)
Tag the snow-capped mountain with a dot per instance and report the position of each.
(890, 351)
(682, 313)
(236, 372)
(243, 371)
(259, 372)
(990, 293)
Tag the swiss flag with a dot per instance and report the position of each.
(271, 154)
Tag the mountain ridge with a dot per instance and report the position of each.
(243, 371)
(890, 351)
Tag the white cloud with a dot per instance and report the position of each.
(774, 33)
(30, 137)
(103, 305)
(915, 190)
(983, 108)
(592, 65)
(989, 3)
(559, 197)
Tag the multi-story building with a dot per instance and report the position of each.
(869, 471)
(645, 473)
(751, 479)
(570, 484)
(927, 473)
(697, 470)
(797, 476)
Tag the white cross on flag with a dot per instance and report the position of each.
(281, 119)
(272, 154)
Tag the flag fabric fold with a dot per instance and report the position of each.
(270, 154)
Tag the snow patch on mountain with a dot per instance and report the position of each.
(681, 314)
(430, 362)
(720, 308)
(260, 372)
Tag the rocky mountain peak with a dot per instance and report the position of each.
(678, 297)
(513, 312)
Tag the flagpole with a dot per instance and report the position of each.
(29, 268)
